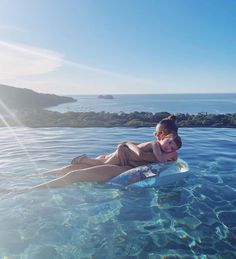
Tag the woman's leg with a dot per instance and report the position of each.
(86, 162)
(90, 161)
(113, 159)
(61, 171)
(66, 169)
(94, 174)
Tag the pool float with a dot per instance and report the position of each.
(152, 175)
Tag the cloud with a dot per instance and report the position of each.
(127, 78)
(17, 60)
(21, 60)
(48, 71)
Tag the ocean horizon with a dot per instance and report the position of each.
(217, 103)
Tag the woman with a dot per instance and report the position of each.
(81, 173)
(165, 127)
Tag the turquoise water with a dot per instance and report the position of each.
(172, 103)
(195, 218)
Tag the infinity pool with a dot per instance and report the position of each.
(195, 218)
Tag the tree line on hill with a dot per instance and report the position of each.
(44, 118)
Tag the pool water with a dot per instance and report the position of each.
(194, 218)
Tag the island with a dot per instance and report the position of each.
(107, 96)
(24, 107)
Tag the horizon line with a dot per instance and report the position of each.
(119, 93)
(151, 93)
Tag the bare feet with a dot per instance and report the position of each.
(78, 159)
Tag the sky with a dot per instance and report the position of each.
(118, 46)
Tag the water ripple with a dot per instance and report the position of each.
(193, 219)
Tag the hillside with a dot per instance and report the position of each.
(18, 98)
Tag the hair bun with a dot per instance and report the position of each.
(172, 118)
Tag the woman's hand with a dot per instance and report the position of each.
(156, 149)
(172, 156)
(163, 156)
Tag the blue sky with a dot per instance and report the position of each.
(118, 46)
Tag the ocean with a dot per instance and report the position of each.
(172, 103)
(193, 218)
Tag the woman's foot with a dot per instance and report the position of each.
(78, 159)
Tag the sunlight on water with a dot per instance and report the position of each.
(12, 133)
(194, 218)
(8, 113)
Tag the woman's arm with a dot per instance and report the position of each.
(141, 152)
(148, 151)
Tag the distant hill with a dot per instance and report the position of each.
(21, 98)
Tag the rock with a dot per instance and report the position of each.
(107, 96)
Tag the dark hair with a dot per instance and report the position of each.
(176, 138)
(178, 141)
(168, 125)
